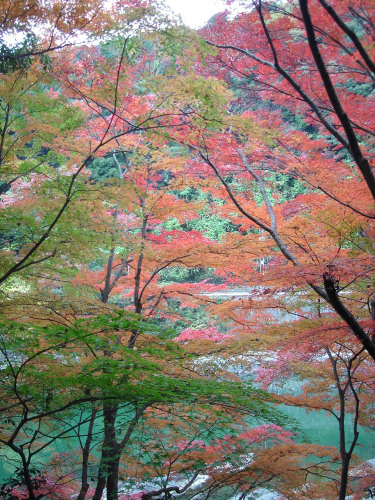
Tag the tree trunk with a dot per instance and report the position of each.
(341, 391)
(109, 449)
(345, 460)
(344, 456)
(112, 477)
(28, 481)
(111, 452)
(85, 458)
(101, 481)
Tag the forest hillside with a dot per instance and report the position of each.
(187, 287)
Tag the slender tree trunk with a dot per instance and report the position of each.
(113, 475)
(342, 393)
(85, 457)
(354, 147)
(345, 461)
(111, 452)
(108, 450)
(102, 477)
(25, 465)
(110, 415)
(344, 456)
(28, 481)
(108, 474)
(137, 279)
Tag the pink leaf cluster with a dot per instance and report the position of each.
(210, 333)
(46, 486)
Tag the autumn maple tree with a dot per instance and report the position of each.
(127, 223)
(184, 214)
(320, 149)
(275, 73)
(47, 137)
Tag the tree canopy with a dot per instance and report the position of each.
(187, 250)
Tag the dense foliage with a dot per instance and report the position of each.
(187, 231)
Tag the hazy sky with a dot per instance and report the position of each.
(195, 13)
